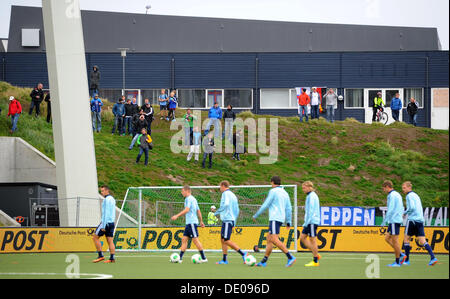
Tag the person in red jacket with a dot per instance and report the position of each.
(303, 102)
(15, 109)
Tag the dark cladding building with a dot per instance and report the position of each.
(253, 65)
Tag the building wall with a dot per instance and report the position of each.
(255, 71)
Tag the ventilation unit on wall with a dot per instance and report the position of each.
(30, 37)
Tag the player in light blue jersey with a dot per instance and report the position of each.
(106, 226)
(312, 221)
(193, 219)
(280, 211)
(394, 219)
(228, 212)
(415, 224)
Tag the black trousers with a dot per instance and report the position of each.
(49, 112)
(209, 155)
(37, 105)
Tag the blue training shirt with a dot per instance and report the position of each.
(108, 211)
(229, 207)
(312, 209)
(414, 208)
(395, 208)
(163, 97)
(279, 205)
(191, 216)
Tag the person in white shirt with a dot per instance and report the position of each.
(315, 102)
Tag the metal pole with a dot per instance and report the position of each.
(156, 214)
(140, 218)
(123, 75)
(295, 218)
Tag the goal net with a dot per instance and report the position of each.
(152, 207)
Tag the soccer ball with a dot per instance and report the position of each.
(196, 259)
(250, 260)
(174, 258)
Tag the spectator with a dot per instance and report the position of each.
(331, 104)
(96, 110)
(303, 102)
(412, 110)
(212, 219)
(37, 96)
(134, 102)
(188, 119)
(195, 147)
(145, 143)
(238, 143)
(49, 106)
(214, 115)
(148, 112)
(129, 112)
(163, 103)
(396, 106)
(315, 102)
(14, 110)
(95, 80)
(119, 114)
(173, 102)
(139, 123)
(229, 116)
(208, 149)
(378, 104)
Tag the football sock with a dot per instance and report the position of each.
(428, 248)
(264, 260)
(181, 255)
(407, 250)
(202, 254)
(224, 257)
(240, 252)
(100, 254)
(316, 259)
(288, 254)
(111, 257)
(397, 260)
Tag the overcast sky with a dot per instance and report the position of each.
(410, 13)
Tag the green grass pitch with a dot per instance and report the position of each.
(156, 265)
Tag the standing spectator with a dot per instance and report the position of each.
(96, 110)
(119, 114)
(303, 102)
(195, 147)
(148, 112)
(129, 110)
(214, 115)
(331, 104)
(188, 120)
(208, 149)
(145, 143)
(163, 104)
(229, 116)
(412, 109)
(95, 80)
(173, 102)
(315, 102)
(396, 106)
(37, 96)
(238, 143)
(138, 124)
(14, 110)
(49, 106)
(378, 104)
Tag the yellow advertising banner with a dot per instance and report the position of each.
(329, 238)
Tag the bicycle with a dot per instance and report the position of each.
(381, 116)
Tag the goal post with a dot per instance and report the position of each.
(152, 207)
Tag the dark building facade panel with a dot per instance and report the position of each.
(26, 69)
(438, 69)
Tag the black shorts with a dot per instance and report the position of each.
(162, 107)
(191, 231)
(274, 227)
(414, 229)
(227, 230)
(310, 230)
(108, 232)
(394, 229)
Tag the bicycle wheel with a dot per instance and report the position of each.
(384, 118)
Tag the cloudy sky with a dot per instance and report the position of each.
(410, 13)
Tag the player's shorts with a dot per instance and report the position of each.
(414, 228)
(191, 231)
(227, 230)
(108, 232)
(162, 107)
(310, 230)
(274, 227)
(394, 229)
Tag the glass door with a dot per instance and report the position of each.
(387, 94)
(133, 93)
(214, 96)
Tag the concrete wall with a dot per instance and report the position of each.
(21, 162)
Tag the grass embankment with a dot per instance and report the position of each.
(347, 160)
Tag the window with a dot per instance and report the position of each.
(390, 94)
(416, 93)
(191, 98)
(278, 99)
(354, 98)
(152, 95)
(111, 95)
(238, 98)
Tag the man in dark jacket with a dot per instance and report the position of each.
(49, 106)
(148, 112)
(119, 114)
(138, 124)
(208, 147)
(37, 96)
(129, 112)
(95, 79)
(412, 109)
(229, 116)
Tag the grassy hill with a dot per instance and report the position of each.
(347, 160)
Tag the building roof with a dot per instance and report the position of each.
(142, 33)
